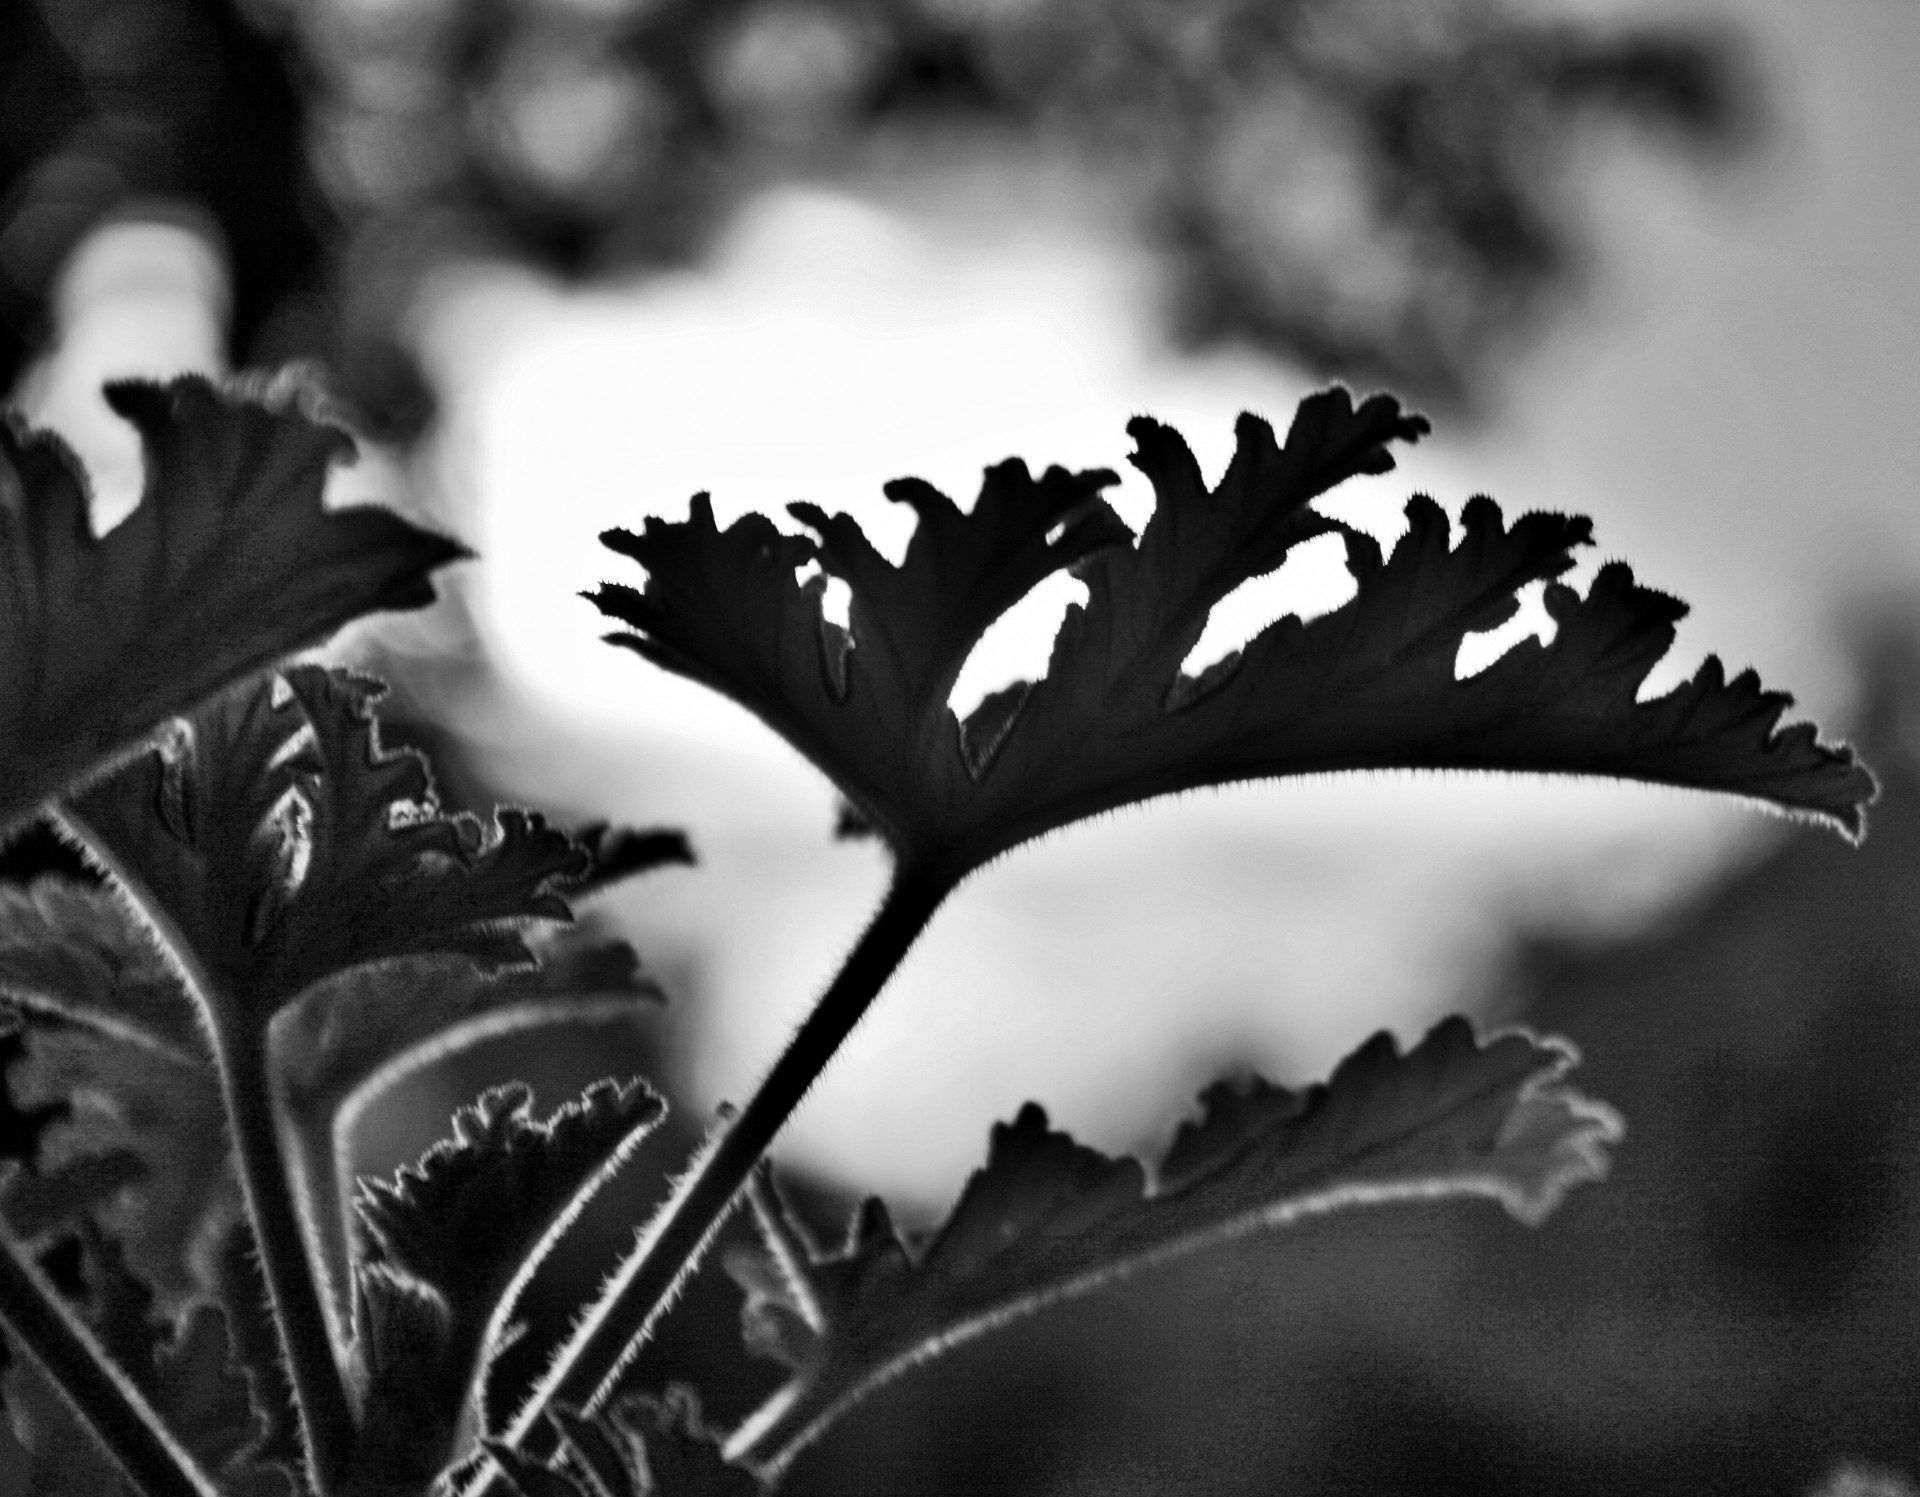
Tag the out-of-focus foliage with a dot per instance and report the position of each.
(1376, 187)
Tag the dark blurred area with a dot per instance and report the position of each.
(1378, 188)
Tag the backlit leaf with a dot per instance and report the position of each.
(349, 1041)
(228, 564)
(279, 845)
(1115, 720)
(1047, 1217)
(451, 1242)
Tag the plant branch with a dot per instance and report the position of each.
(100, 1394)
(240, 1055)
(326, 1419)
(588, 1367)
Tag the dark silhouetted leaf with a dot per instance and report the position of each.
(1047, 1217)
(620, 852)
(1370, 685)
(349, 1041)
(228, 564)
(242, 1293)
(71, 950)
(451, 1243)
(274, 839)
(641, 1447)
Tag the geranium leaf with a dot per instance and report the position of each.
(346, 1043)
(451, 1242)
(141, 1146)
(183, 1365)
(228, 564)
(280, 844)
(620, 852)
(1047, 1217)
(1370, 685)
(241, 1291)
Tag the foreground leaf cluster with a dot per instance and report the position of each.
(228, 564)
(288, 921)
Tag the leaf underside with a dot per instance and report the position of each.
(450, 1243)
(184, 1364)
(282, 845)
(1370, 685)
(116, 1074)
(349, 1042)
(1048, 1218)
(228, 564)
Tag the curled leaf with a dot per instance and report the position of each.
(620, 852)
(228, 564)
(453, 1240)
(279, 844)
(349, 1041)
(1047, 1217)
(1115, 720)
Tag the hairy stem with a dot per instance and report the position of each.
(326, 1419)
(246, 1091)
(588, 1367)
(101, 1395)
(240, 1053)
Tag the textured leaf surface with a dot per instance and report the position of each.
(1048, 1217)
(1370, 685)
(184, 1366)
(228, 564)
(120, 1077)
(279, 844)
(71, 950)
(112, 1043)
(641, 1447)
(241, 1291)
(21, 1126)
(453, 1239)
(347, 1042)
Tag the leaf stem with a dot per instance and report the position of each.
(326, 1419)
(240, 1055)
(611, 1333)
(101, 1395)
